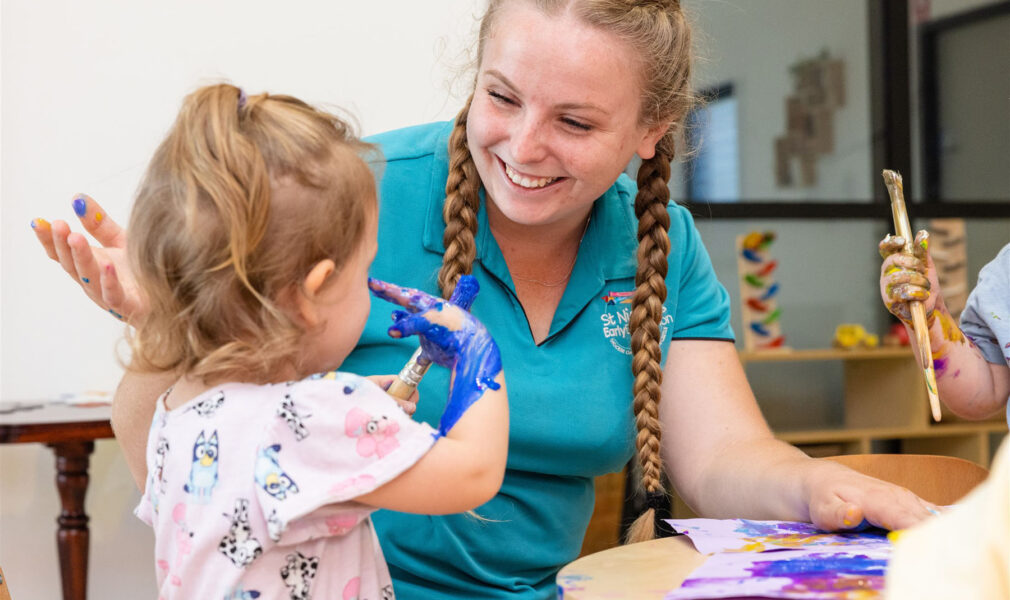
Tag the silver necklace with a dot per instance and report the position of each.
(571, 267)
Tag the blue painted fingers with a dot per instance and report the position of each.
(450, 337)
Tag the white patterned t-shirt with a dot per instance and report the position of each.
(251, 488)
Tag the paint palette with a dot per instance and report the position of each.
(782, 559)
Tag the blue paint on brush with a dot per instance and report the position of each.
(80, 206)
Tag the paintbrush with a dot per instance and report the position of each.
(896, 191)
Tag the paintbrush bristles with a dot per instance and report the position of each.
(895, 189)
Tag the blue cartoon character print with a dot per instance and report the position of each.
(203, 472)
(271, 477)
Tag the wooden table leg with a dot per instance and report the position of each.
(72, 536)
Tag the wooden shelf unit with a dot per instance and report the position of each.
(885, 399)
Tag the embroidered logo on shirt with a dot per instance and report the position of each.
(615, 316)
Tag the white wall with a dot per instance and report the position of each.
(89, 88)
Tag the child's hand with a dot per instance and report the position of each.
(904, 277)
(445, 329)
(409, 405)
(102, 271)
(450, 337)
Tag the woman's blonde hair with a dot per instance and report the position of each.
(660, 35)
(240, 201)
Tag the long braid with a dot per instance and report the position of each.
(646, 314)
(462, 201)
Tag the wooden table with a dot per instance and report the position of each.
(647, 570)
(71, 431)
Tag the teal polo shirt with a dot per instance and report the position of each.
(569, 397)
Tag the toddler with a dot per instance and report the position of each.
(251, 239)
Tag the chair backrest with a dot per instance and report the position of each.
(942, 480)
(4, 592)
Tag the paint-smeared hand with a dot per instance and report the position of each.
(450, 336)
(102, 271)
(842, 499)
(908, 277)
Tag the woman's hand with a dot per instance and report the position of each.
(101, 271)
(904, 277)
(841, 498)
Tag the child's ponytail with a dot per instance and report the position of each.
(242, 198)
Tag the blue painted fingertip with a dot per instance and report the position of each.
(80, 206)
(33, 223)
(85, 280)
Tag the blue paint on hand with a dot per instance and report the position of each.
(467, 348)
(465, 292)
(80, 206)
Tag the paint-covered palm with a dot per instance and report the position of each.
(450, 336)
(908, 277)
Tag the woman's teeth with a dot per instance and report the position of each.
(526, 182)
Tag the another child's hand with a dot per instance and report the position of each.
(905, 278)
(102, 271)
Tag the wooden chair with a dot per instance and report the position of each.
(4, 592)
(942, 480)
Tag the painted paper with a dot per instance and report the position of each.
(782, 559)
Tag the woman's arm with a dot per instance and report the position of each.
(132, 411)
(725, 462)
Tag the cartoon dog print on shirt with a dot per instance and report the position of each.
(270, 476)
(158, 474)
(203, 472)
(298, 574)
(377, 435)
(208, 406)
(239, 545)
(293, 418)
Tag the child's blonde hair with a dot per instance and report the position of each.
(240, 201)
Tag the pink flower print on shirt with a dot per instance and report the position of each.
(352, 589)
(183, 545)
(353, 486)
(340, 524)
(377, 435)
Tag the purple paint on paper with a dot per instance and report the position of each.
(80, 206)
(820, 565)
